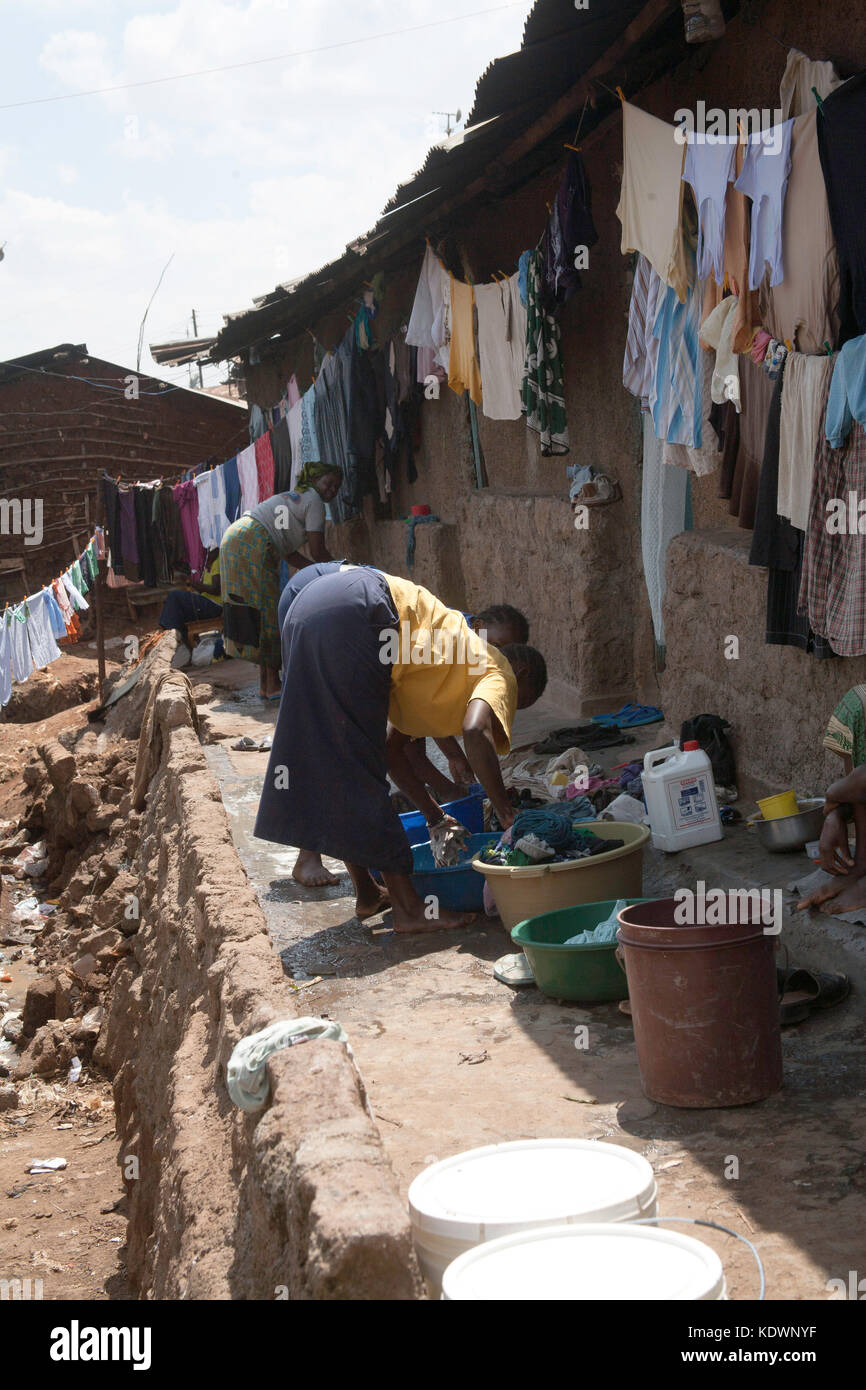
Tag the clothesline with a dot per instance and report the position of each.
(31, 630)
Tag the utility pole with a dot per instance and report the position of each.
(198, 364)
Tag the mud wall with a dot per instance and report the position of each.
(297, 1200)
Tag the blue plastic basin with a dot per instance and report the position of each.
(469, 811)
(458, 887)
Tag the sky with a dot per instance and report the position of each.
(245, 178)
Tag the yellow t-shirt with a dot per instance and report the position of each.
(439, 665)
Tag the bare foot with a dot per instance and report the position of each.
(839, 885)
(371, 907)
(853, 895)
(311, 872)
(411, 922)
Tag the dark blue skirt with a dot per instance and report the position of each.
(326, 787)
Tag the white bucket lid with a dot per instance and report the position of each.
(490, 1192)
(597, 1262)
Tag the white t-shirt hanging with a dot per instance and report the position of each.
(430, 320)
(22, 661)
(212, 519)
(5, 660)
(79, 602)
(249, 478)
(43, 647)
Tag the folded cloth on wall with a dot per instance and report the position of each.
(429, 323)
(803, 307)
(709, 168)
(806, 383)
(802, 74)
(651, 202)
(841, 140)
(833, 585)
(500, 384)
(542, 390)
(847, 400)
(569, 226)
(764, 179)
(463, 371)
(246, 1073)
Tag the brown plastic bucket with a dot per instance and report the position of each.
(705, 1007)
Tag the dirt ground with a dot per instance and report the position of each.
(67, 1228)
(452, 1059)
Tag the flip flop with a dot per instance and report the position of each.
(513, 969)
(631, 716)
(803, 991)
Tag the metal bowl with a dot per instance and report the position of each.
(792, 832)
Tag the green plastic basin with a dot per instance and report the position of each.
(591, 974)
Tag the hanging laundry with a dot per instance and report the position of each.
(833, 585)
(19, 643)
(651, 203)
(709, 168)
(73, 627)
(5, 660)
(641, 348)
(764, 179)
(708, 456)
(332, 422)
(428, 366)
(801, 74)
(258, 423)
(128, 532)
(99, 536)
(186, 497)
(803, 308)
(143, 495)
(841, 140)
(212, 520)
(847, 401)
(232, 481)
(500, 385)
(40, 631)
(806, 384)
(293, 394)
(429, 322)
(716, 333)
(169, 550)
(55, 613)
(463, 371)
(265, 466)
(79, 602)
(664, 500)
(286, 444)
(569, 226)
(677, 390)
(756, 393)
(366, 420)
(249, 478)
(542, 392)
(309, 441)
(77, 577)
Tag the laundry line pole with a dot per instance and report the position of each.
(97, 601)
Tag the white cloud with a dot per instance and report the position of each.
(67, 174)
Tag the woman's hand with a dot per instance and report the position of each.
(833, 852)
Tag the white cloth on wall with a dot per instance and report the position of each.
(249, 478)
(212, 520)
(295, 420)
(500, 391)
(22, 660)
(43, 647)
(5, 661)
(430, 320)
(803, 397)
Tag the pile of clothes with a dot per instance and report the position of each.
(549, 835)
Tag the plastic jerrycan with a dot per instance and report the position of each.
(681, 797)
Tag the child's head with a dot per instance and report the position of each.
(530, 670)
(502, 625)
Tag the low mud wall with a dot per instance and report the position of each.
(295, 1201)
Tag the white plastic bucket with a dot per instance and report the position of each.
(502, 1189)
(603, 1263)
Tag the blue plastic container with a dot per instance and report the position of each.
(459, 887)
(469, 811)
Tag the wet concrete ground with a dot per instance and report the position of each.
(452, 1059)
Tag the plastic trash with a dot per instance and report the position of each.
(27, 909)
(46, 1165)
(74, 1073)
(31, 862)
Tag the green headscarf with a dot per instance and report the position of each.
(312, 472)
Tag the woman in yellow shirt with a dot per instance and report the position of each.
(362, 649)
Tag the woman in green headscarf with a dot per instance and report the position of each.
(250, 554)
(845, 801)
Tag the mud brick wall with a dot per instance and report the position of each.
(229, 1205)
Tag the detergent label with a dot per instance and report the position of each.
(690, 802)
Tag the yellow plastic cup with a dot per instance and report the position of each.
(774, 807)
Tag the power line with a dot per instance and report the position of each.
(257, 62)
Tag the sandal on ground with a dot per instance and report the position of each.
(513, 969)
(802, 992)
